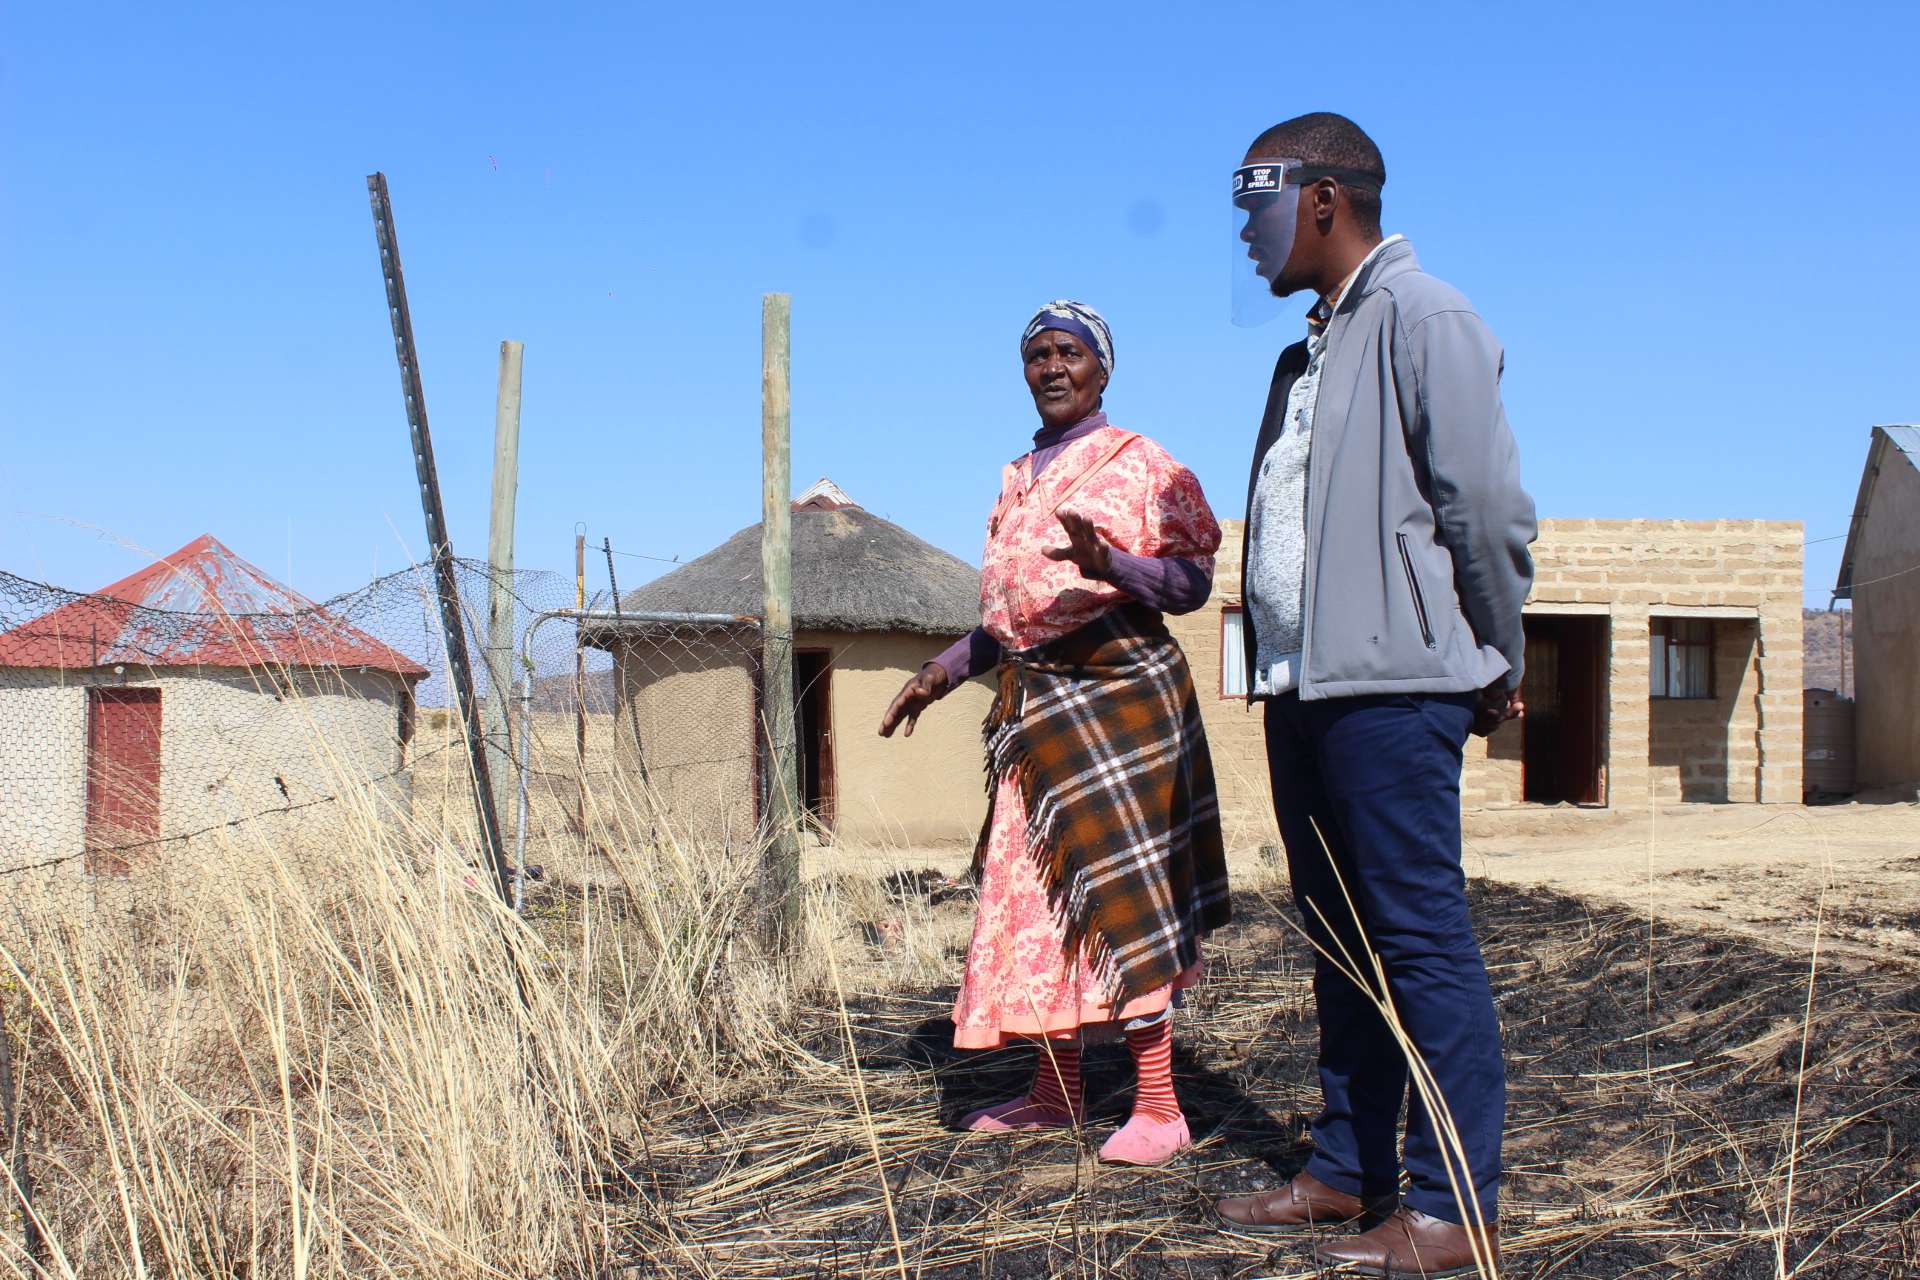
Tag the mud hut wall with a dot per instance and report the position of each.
(927, 789)
(270, 746)
(239, 744)
(695, 710)
(1886, 630)
(43, 738)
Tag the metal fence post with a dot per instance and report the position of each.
(439, 543)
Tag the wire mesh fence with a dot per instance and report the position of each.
(198, 729)
(130, 730)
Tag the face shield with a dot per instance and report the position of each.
(1266, 212)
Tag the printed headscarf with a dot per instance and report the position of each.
(1078, 319)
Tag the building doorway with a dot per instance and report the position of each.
(813, 731)
(123, 776)
(1564, 734)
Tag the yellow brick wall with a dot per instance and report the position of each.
(1638, 569)
(1744, 745)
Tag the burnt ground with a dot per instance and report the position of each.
(1651, 1127)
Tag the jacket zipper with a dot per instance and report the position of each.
(1413, 584)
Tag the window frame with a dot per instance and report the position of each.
(1239, 611)
(1661, 640)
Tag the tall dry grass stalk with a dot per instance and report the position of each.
(304, 1050)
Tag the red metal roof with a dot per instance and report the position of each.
(202, 606)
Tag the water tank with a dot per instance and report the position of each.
(1828, 746)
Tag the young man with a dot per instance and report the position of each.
(1386, 565)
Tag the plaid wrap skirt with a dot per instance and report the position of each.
(1102, 730)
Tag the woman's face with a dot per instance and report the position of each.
(1065, 378)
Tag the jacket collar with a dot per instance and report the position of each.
(1393, 258)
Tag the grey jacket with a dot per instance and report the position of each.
(1417, 527)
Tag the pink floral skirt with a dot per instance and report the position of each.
(1021, 982)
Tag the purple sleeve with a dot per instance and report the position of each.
(1171, 584)
(970, 655)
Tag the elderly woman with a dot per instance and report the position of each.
(1100, 864)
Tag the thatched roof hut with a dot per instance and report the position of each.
(852, 572)
(871, 604)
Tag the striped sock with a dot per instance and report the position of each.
(1152, 1049)
(1056, 1078)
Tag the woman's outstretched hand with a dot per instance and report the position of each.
(928, 686)
(1085, 547)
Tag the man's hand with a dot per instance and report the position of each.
(1085, 547)
(927, 687)
(1496, 707)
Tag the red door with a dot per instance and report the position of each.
(123, 775)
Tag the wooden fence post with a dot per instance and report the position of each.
(500, 595)
(780, 877)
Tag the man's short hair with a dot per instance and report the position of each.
(1324, 138)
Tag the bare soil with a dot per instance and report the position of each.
(1757, 870)
(1773, 873)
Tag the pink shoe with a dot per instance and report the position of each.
(1017, 1116)
(1145, 1141)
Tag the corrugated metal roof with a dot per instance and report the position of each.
(1903, 439)
(202, 606)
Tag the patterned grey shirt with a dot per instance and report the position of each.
(1276, 585)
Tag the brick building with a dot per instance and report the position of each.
(1663, 665)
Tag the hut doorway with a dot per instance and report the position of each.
(813, 729)
(123, 775)
(1563, 748)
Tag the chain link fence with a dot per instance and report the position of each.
(199, 711)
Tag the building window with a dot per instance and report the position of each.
(1233, 653)
(1682, 658)
(409, 716)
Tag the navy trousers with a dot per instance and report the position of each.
(1379, 779)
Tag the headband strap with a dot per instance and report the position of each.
(1267, 179)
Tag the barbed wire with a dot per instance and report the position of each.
(100, 850)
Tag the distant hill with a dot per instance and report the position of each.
(1828, 635)
(555, 693)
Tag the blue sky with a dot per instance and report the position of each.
(1693, 234)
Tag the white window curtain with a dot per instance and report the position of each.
(1682, 658)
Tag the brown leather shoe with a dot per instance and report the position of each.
(1304, 1203)
(1412, 1246)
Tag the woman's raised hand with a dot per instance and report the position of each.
(1085, 547)
(927, 687)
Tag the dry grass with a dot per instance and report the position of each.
(270, 1061)
(1614, 1168)
(346, 1058)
